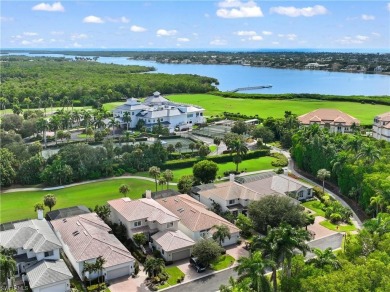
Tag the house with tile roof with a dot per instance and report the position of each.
(35, 243)
(196, 221)
(236, 194)
(49, 276)
(86, 237)
(334, 120)
(155, 110)
(159, 224)
(381, 127)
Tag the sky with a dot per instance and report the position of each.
(183, 24)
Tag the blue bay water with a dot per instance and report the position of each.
(282, 80)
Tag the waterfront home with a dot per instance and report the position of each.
(381, 127)
(86, 237)
(334, 120)
(196, 221)
(37, 254)
(157, 110)
(236, 194)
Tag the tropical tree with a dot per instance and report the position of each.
(379, 225)
(162, 182)
(43, 126)
(238, 147)
(323, 174)
(205, 171)
(155, 172)
(99, 263)
(325, 258)
(7, 270)
(221, 232)
(49, 201)
(153, 266)
(206, 251)
(113, 123)
(170, 148)
(124, 189)
(217, 141)
(244, 224)
(254, 267)
(378, 201)
(204, 150)
(103, 212)
(178, 147)
(140, 238)
(185, 183)
(127, 119)
(89, 268)
(369, 153)
(168, 175)
(38, 206)
(191, 146)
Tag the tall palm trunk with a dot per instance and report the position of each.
(274, 279)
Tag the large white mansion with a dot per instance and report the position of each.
(157, 109)
(381, 127)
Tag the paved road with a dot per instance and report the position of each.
(207, 284)
(333, 241)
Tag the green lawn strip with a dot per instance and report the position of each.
(223, 262)
(216, 105)
(249, 165)
(213, 148)
(174, 274)
(331, 226)
(20, 205)
(316, 207)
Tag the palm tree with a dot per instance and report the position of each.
(354, 144)
(323, 174)
(168, 175)
(124, 189)
(280, 244)
(379, 225)
(89, 268)
(222, 231)
(254, 267)
(154, 172)
(54, 125)
(162, 181)
(369, 153)
(338, 162)
(324, 258)
(112, 123)
(99, 263)
(127, 119)
(86, 116)
(66, 119)
(76, 117)
(178, 146)
(43, 125)
(239, 148)
(153, 266)
(217, 141)
(378, 201)
(7, 270)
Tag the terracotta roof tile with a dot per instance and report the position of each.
(172, 240)
(327, 116)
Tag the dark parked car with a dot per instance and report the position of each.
(199, 267)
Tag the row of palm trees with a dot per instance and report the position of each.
(91, 268)
(272, 252)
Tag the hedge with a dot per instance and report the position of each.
(184, 163)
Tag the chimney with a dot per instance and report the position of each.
(40, 214)
(148, 194)
(231, 177)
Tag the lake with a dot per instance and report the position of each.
(282, 80)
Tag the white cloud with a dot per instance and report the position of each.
(25, 43)
(358, 39)
(55, 7)
(289, 36)
(238, 9)
(183, 40)
(6, 19)
(30, 33)
(245, 32)
(362, 37)
(368, 17)
(122, 19)
(256, 38)
(136, 28)
(78, 36)
(164, 32)
(295, 12)
(267, 32)
(77, 45)
(195, 34)
(37, 41)
(93, 19)
(377, 34)
(218, 42)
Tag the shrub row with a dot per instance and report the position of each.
(385, 100)
(281, 160)
(184, 163)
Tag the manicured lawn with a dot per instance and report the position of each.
(213, 148)
(223, 262)
(111, 105)
(174, 274)
(254, 164)
(315, 206)
(216, 105)
(19, 205)
(333, 227)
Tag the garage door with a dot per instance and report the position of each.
(181, 255)
(120, 272)
(56, 288)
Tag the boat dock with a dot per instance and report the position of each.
(250, 88)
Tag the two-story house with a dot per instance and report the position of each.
(156, 222)
(155, 110)
(381, 127)
(196, 221)
(37, 253)
(334, 120)
(86, 237)
(236, 194)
